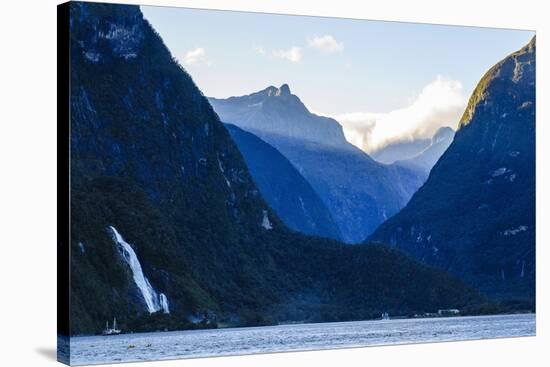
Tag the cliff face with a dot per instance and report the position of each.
(475, 216)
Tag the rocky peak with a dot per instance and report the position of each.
(283, 90)
(512, 69)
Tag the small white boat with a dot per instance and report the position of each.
(385, 316)
(111, 331)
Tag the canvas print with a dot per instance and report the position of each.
(235, 183)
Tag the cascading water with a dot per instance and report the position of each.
(153, 301)
(164, 303)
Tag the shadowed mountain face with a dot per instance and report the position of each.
(150, 158)
(283, 187)
(359, 192)
(427, 158)
(475, 216)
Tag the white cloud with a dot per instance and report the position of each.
(196, 56)
(259, 49)
(326, 43)
(440, 103)
(293, 54)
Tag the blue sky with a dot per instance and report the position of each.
(360, 72)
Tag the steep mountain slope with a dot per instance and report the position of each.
(282, 186)
(359, 192)
(168, 227)
(475, 216)
(427, 158)
(146, 152)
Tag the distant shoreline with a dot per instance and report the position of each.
(396, 318)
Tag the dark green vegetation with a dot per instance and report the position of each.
(475, 216)
(282, 186)
(150, 157)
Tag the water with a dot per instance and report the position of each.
(152, 300)
(284, 338)
(164, 303)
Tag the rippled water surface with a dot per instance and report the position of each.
(205, 343)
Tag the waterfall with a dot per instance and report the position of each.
(266, 223)
(164, 303)
(153, 301)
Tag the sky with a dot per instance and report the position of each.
(383, 81)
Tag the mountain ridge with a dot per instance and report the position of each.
(264, 113)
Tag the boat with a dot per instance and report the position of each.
(111, 331)
(385, 316)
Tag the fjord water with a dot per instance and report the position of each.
(297, 337)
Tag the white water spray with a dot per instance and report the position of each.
(153, 301)
(164, 303)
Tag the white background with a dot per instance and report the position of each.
(28, 182)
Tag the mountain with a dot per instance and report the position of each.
(427, 158)
(276, 111)
(359, 192)
(283, 187)
(168, 228)
(400, 150)
(475, 215)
